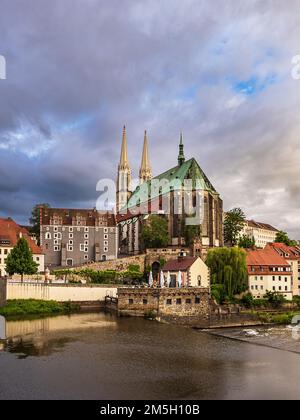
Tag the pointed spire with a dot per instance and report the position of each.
(124, 154)
(181, 158)
(145, 169)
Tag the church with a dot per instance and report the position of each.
(182, 195)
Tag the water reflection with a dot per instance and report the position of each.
(98, 356)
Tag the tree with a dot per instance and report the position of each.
(191, 232)
(35, 220)
(246, 241)
(155, 234)
(228, 268)
(283, 238)
(20, 260)
(233, 225)
(274, 298)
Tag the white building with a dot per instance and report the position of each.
(10, 232)
(262, 233)
(269, 271)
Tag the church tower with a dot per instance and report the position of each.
(145, 170)
(124, 176)
(181, 158)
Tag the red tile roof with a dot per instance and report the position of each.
(181, 264)
(68, 217)
(10, 232)
(292, 251)
(265, 257)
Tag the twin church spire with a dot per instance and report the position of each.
(145, 173)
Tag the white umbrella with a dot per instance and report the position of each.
(162, 279)
(150, 279)
(179, 279)
(168, 278)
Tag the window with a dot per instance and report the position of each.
(86, 236)
(86, 229)
(130, 301)
(105, 249)
(188, 301)
(86, 249)
(86, 242)
(252, 287)
(273, 278)
(178, 301)
(55, 242)
(279, 278)
(261, 278)
(105, 230)
(78, 229)
(105, 236)
(279, 288)
(81, 247)
(197, 300)
(285, 288)
(86, 257)
(274, 288)
(70, 241)
(71, 235)
(56, 248)
(55, 228)
(169, 301)
(70, 229)
(199, 280)
(145, 301)
(261, 287)
(48, 235)
(70, 248)
(285, 279)
(106, 243)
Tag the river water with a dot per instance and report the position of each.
(99, 356)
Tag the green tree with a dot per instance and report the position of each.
(35, 220)
(155, 234)
(246, 241)
(191, 232)
(233, 225)
(274, 298)
(283, 238)
(20, 260)
(228, 268)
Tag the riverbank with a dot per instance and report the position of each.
(19, 308)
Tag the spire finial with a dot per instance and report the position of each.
(124, 154)
(181, 158)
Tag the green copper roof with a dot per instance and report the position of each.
(174, 177)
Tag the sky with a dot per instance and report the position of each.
(219, 71)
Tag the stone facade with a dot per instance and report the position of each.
(166, 302)
(3, 283)
(71, 237)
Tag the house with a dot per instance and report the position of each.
(262, 233)
(194, 271)
(71, 237)
(292, 255)
(10, 232)
(268, 271)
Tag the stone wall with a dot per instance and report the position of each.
(120, 264)
(184, 302)
(2, 292)
(60, 292)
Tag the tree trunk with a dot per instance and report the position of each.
(22, 278)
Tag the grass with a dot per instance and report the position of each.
(283, 319)
(20, 308)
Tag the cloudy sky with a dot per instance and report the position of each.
(220, 71)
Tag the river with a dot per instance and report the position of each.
(99, 356)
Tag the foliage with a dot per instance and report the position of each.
(18, 307)
(247, 300)
(233, 225)
(269, 318)
(217, 293)
(228, 268)
(35, 220)
(103, 277)
(275, 299)
(282, 237)
(296, 300)
(155, 233)
(20, 260)
(246, 241)
(191, 232)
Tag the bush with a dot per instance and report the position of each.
(247, 300)
(19, 307)
(275, 299)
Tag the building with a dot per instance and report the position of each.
(193, 270)
(10, 232)
(268, 271)
(71, 237)
(165, 195)
(262, 233)
(292, 255)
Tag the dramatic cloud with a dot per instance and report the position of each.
(219, 71)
